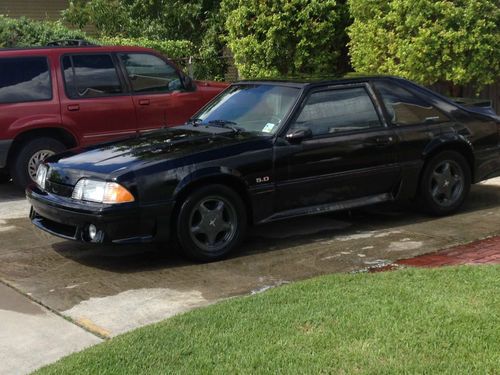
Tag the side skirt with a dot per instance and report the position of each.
(329, 207)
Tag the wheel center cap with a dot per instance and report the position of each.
(446, 183)
(212, 222)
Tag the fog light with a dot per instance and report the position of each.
(92, 232)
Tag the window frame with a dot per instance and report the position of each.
(49, 70)
(387, 116)
(369, 92)
(123, 86)
(124, 73)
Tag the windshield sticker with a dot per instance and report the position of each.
(268, 128)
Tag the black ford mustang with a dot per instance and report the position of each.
(269, 150)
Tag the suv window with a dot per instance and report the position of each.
(89, 76)
(338, 110)
(24, 79)
(149, 73)
(404, 108)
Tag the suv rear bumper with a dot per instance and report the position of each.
(4, 151)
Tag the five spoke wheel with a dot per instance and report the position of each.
(445, 183)
(213, 222)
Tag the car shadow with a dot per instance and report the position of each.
(10, 193)
(269, 237)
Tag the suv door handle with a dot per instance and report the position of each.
(73, 107)
(143, 101)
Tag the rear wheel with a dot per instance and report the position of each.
(445, 183)
(29, 155)
(211, 223)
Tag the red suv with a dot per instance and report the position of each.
(54, 98)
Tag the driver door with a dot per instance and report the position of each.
(350, 152)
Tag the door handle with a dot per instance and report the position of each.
(73, 107)
(384, 140)
(143, 101)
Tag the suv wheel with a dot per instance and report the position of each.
(211, 223)
(445, 183)
(29, 156)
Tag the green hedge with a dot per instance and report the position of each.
(177, 50)
(24, 32)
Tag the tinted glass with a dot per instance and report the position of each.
(148, 73)
(339, 110)
(404, 108)
(89, 76)
(24, 79)
(257, 108)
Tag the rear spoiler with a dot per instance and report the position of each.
(483, 106)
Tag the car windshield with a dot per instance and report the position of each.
(250, 107)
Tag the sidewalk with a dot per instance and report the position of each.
(480, 252)
(33, 336)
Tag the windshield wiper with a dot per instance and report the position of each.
(225, 124)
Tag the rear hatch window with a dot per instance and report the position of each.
(24, 79)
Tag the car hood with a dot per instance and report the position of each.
(112, 159)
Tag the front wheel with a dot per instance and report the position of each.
(211, 223)
(30, 154)
(445, 183)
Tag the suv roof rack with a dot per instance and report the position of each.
(71, 43)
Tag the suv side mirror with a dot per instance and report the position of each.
(297, 135)
(188, 83)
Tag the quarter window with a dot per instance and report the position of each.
(148, 73)
(24, 79)
(339, 110)
(89, 76)
(404, 108)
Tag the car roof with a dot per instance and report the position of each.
(49, 50)
(319, 82)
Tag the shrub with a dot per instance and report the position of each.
(24, 32)
(177, 50)
(286, 37)
(428, 40)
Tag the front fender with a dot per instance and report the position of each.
(209, 173)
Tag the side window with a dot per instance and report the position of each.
(404, 108)
(24, 79)
(90, 76)
(149, 73)
(338, 110)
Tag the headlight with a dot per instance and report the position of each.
(41, 175)
(101, 192)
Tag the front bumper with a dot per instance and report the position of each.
(124, 223)
(4, 151)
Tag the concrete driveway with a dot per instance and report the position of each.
(110, 290)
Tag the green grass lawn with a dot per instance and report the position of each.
(430, 321)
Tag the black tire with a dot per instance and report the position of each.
(445, 183)
(19, 167)
(194, 229)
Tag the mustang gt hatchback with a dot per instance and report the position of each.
(269, 150)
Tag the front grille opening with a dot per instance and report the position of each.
(61, 229)
(58, 189)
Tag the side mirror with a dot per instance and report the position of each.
(297, 135)
(188, 83)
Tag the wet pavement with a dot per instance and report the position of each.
(109, 290)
